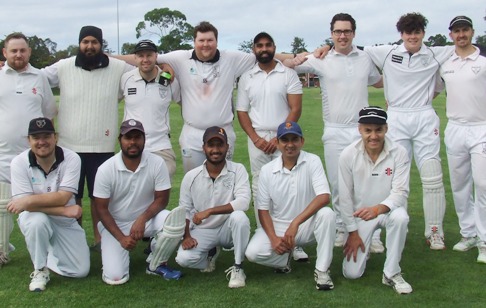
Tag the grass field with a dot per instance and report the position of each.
(439, 278)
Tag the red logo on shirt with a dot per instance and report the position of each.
(436, 132)
(107, 132)
(34, 91)
(388, 171)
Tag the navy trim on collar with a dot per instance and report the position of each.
(58, 152)
(213, 60)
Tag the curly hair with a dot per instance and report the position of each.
(411, 22)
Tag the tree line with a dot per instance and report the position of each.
(173, 32)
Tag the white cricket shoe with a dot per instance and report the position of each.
(237, 277)
(39, 280)
(212, 256)
(376, 246)
(482, 252)
(466, 243)
(299, 254)
(435, 240)
(340, 238)
(323, 280)
(398, 283)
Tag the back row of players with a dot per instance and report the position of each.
(268, 94)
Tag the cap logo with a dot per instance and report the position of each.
(40, 123)
(221, 131)
(132, 123)
(288, 125)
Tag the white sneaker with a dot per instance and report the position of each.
(340, 238)
(299, 254)
(435, 240)
(398, 283)
(466, 243)
(323, 280)
(39, 280)
(376, 246)
(237, 278)
(212, 261)
(482, 252)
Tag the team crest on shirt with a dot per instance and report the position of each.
(163, 92)
(476, 69)
(228, 184)
(388, 171)
(436, 132)
(425, 60)
(34, 91)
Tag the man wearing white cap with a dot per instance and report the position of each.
(374, 185)
(465, 135)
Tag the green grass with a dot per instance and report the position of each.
(439, 278)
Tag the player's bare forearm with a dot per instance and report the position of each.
(247, 125)
(101, 205)
(161, 199)
(39, 202)
(371, 212)
(295, 106)
(315, 205)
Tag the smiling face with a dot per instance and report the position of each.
(373, 136)
(43, 145)
(264, 50)
(90, 46)
(342, 36)
(17, 52)
(215, 150)
(462, 36)
(205, 45)
(146, 60)
(290, 146)
(413, 40)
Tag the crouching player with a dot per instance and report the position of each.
(44, 181)
(131, 192)
(215, 196)
(373, 187)
(292, 196)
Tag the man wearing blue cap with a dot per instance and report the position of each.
(373, 186)
(292, 196)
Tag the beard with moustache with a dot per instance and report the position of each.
(89, 61)
(261, 59)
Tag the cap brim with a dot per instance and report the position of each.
(288, 133)
(42, 132)
(126, 131)
(372, 121)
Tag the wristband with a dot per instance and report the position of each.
(258, 139)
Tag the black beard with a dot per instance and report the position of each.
(265, 60)
(89, 60)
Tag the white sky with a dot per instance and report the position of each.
(236, 20)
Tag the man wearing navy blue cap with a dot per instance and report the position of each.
(292, 196)
(373, 186)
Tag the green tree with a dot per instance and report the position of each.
(70, 51)
(246, 46)
(43, 51)
(128, 48)
(298, 45)
(170, 26)
(481, 39)
(437, 40)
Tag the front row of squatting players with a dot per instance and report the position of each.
(291, 210)
(132, 191)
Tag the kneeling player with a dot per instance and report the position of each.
(292, 196)
(131, 192)
(215, 196)
(44, 182)
(373, 187)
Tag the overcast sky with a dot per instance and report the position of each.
(236, 20)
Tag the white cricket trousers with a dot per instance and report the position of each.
(56, 242)
(395, 224)
(257, 160)
(466, 156)
(234, 232)
(320, 228)
(115, 258)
